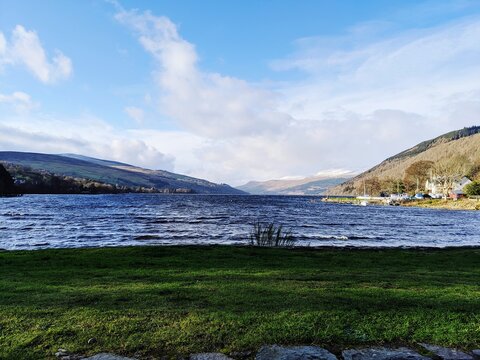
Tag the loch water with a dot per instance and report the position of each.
(68, 221)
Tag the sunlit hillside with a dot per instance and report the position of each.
(459, 149)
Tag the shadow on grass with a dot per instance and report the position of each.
(179, 300)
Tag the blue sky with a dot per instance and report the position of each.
(236, 90)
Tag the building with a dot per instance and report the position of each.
(439, 186)
(434, 187)
(458, 186)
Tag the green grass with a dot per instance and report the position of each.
(179, 300)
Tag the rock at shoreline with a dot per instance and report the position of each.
(276, 352)
(61, 352)
(105, 356)
(446, 353)
(382, 354)
(209, 356)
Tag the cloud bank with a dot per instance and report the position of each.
(83, 135)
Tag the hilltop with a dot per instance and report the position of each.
(71, 173)
(454, 152)
(312, 185)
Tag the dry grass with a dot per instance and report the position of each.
(462, 204)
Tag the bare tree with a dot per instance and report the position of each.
(449, 171)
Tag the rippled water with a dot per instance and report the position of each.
(55, 221)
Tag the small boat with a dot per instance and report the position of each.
(364, 199)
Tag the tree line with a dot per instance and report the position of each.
(7, 185)
(18, 179)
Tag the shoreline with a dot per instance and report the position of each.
(450, 204)
(246, 246)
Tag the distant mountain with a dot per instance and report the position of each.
(73, 172)
(457, 151)
(312, 185)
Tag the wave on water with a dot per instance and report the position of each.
(43, 221)
(341, 237)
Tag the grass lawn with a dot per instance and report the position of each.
(178, 300)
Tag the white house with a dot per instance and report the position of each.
(458, 186)
(436, 186)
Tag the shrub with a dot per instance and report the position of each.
(473, 189)
(271, 235)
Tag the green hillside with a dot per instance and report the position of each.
(123, 176)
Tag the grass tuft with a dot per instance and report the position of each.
(270, 235)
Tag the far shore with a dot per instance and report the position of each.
(449, 204)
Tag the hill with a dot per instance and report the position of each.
(456, 153)
(72, 173)
(313, 185)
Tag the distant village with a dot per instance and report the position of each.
(438, 188)
(424, 180)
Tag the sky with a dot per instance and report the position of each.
(238, 90)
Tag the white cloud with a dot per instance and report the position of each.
(184, 145)
(208, 104)
(135, 113)
(20, 101)
(412, 71)
(26, 49)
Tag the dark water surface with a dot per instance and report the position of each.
(61, 221)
